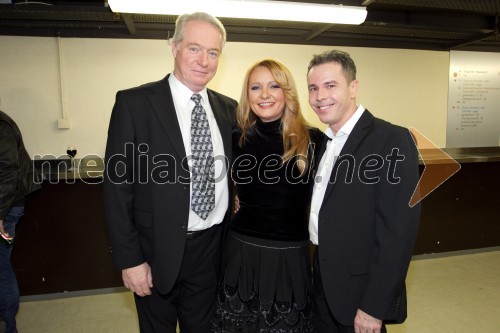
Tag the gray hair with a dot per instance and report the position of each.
(182, 20)
(340, 57)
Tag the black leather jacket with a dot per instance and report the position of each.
(17, 178)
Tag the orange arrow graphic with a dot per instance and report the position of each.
(438, 167)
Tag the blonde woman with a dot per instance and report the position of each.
(266, 281)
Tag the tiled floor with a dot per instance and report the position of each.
(449, 294)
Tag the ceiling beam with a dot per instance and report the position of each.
(318, 31)
(473, 40)
(129, 22)
(478, 38)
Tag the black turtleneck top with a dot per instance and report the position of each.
(274, 197)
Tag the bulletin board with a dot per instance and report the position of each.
(473, 100)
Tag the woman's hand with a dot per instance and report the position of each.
(236, 204)
(5, 235)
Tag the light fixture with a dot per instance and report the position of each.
(251, 9)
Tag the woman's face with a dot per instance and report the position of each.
(266, 97)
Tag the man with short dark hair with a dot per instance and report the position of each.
(360, 216)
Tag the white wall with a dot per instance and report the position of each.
(406, 87)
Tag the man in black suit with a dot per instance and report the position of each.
(166, 188)
(360, 215)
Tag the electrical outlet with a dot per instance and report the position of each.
(63, 124)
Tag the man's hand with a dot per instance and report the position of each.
(364, 323)
(138, 279)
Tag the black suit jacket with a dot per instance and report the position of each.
(146, 187)
(366, 227)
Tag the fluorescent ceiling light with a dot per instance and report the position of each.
(251, 9)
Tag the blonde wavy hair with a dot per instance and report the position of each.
(294, 127)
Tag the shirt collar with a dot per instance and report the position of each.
(183, 92)
(349, 125)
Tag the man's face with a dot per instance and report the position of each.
(197, 55)
(330, 95)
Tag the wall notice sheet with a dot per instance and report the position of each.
(473, 100)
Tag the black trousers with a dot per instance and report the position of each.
(324, 320)
(191, 300)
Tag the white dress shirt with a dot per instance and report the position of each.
(333, 148)
(183, 108)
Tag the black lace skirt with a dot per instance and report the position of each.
(265, 287)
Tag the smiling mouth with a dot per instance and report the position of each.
(266, 104)
(323, 107)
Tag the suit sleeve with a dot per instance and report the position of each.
(119, 187)
(396, 228)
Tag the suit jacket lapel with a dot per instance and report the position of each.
(320, 153)
(163, 105)
(322, 149)
(357, 135)
(223, 122)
